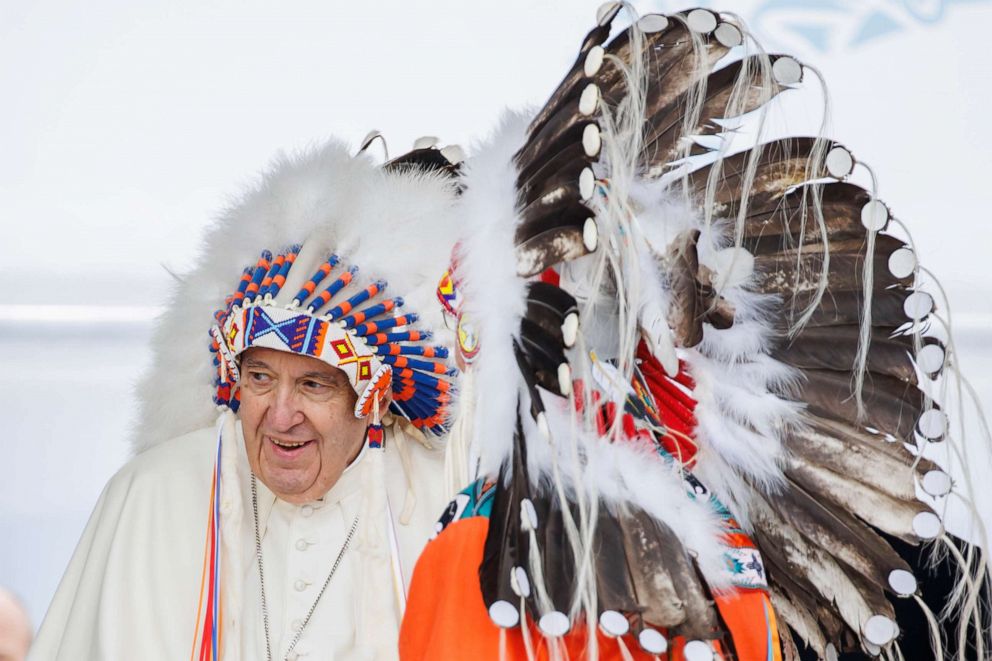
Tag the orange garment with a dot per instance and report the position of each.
(446, 617)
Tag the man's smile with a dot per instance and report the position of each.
(287, 448)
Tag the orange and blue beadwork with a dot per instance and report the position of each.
(342, 313)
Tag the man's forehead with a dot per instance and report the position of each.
(289, 362)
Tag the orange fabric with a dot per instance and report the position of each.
(446, 617)
(749, 616)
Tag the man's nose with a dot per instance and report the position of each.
(284, 413)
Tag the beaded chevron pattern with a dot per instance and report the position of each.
(375, 345)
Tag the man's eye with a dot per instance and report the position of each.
(258, 377)
(314, 385)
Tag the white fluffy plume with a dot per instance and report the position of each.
(494, 296)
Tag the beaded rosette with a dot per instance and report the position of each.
(355, 329)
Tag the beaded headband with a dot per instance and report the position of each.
(376, 347)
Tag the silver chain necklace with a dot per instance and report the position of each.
(261, 576)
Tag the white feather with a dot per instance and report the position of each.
(494, 296)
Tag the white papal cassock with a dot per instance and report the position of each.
(132, 587)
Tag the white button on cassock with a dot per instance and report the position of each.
(294, 537)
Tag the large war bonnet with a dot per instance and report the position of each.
(749, 397)
(339, 252)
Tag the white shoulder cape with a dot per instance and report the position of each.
(132, 587)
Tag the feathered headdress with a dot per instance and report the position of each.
(361, 334)
(694, 370)
(325, 213)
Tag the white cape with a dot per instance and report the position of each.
(132, 587)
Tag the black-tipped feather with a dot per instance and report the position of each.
(505, 547)
(892, 406)
(614, 589)
(563, 128)
(559, 244)
(565, 213)
(662, 141)
(549, 306)
(570, 87)
(686, 310)
(775, 222)
(869, 464)
(845, 538)
(645, 541)
(550, 173)
(843, 307)
(835, 348)
(888, 514)
(781, 165)
(544, 355)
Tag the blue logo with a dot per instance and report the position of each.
(828, 25)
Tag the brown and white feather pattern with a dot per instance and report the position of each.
(763, 238)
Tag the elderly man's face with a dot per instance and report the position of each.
(298, 418)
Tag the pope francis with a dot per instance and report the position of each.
(287, 525)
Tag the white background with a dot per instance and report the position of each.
(125, 126)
